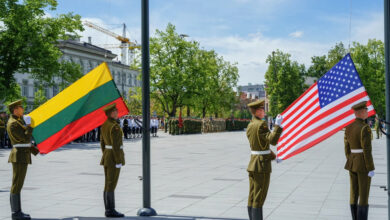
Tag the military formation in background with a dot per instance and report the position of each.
(131, 127)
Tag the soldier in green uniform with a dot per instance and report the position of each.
(113, 158)
(377, 128)
(360, 164)
(2, 129)
(259, 168)
(20, 132)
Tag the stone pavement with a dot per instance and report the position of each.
(193, 177)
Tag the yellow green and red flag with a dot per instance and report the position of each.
(76, 110)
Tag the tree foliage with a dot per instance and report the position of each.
(370, 64)
(28, 39)
(184, 75)
(284, 81)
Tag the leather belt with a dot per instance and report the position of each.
(22, 145)
(261, 152)
(356, 151)
(110, 147)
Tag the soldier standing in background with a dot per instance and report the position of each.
(125, 127)
(20, 134)
(2, 129)
(113, 158)
(377, 127)
(259, 167)
(360, 164)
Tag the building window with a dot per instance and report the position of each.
(123, 78)
(47, 92)
(36, 86)
(118, 78)
(55, 90)
(25, 88)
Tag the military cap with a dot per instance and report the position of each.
(360, 105)
(109, 108)
(15, 104)
(257, 104)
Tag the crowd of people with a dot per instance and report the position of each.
(131, 126)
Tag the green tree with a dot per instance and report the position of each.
(284, 81)
(68, 73)
(39, 97)
(335, 54)
(28, 41)
(370, 63)
(171, 70)
(134, 101)
(319, 67)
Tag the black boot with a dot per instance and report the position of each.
(105, 200)
(354, 212)
(110, 208)
(362, 212)
(257, 213)
(250, 212)
(16, 209)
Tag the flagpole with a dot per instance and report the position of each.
(147, 210)
(387, 62)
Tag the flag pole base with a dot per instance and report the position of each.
(147, 212)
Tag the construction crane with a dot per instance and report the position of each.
(125, 42)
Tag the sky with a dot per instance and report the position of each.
(242, 31)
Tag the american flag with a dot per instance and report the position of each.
(323, 109)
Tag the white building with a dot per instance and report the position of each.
(88, 56)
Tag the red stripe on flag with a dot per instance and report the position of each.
(308, 90)
(316, 101)
(325, 136)
(323, 115)
(72, 131)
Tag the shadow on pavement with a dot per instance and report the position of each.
(160, 217)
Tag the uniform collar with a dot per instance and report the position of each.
(359, 119)
(16, 117)
(255, 118)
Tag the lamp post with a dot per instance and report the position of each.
(147, 210)
(387, 62)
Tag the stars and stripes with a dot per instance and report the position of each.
(323, 109)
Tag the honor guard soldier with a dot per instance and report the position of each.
(20, 133)
(259, 168)
(2, 129)
(360, 164)
(125, 127)
(113, 158)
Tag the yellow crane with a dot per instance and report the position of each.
(125, 42)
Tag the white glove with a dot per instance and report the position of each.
(371, 173)
(27, 119)
(278, 160)
(118, 165)
(279, 120)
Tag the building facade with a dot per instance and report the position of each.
(256, 90)
(88, 56)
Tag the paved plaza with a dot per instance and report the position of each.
(193, 177)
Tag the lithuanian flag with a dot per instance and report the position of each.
(76, 110)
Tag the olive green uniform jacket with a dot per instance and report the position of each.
(19, 133)
(260, 138)
(111, 134)
(358, 136)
